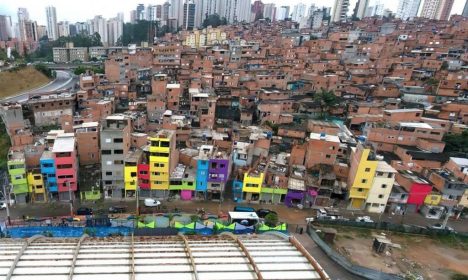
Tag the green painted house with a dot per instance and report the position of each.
(18, 177)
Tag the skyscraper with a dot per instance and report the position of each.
(269, 11)
(189, 15)
(465, 10)
(444, 9)
(283, 13)
(52, 28)
(23, 18)
(114, 30)
(340, 11)
(360, 9)
(177, 11)
(299, 12)
(429, 9)
(63, 29)
(408, 9)
(6, 28)
(99, 25)
(140, 12)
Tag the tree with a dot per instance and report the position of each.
(327, 98)
(214, 21)
(456, 144)
(271, 219)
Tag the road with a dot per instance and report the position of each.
(63, 81)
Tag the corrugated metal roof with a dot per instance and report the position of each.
(214, 257)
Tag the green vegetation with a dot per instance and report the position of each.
(327, 99)
(452, 241)
(271, 219)
(273, 126)
(20, 79)
(456, 144)
(44, 70)
(4, 145)
(459, 276)
(214, 21)
(82, 69)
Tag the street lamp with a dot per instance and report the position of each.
(70, 198)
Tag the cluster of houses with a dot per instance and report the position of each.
(246, 118)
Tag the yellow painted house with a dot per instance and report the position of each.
(361, 175)
(433, 199)
(36, 186)
(132, 159)
(161, 146)
(252, 185)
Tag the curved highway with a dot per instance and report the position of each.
(64, 80)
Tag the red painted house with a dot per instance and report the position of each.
(66, 164)
(416, 187)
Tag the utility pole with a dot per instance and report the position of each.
(70, 197)
(7, 198)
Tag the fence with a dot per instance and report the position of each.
(386, 226)
(358, 270)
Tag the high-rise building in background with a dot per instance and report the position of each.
(99, 25)
(23, 18)
(140, 12)
(189, 15)
(360, 9)
(269, 11)
(6, 28)
(429, 9)
(340, 11)
(408, 9)
(177, 11)
(115, 30)
(63, 29)
(444, 9)
(52, 28)
(283, 12)
(257, 10)
(153, 12)
(299, 12)
(81, 28)
(133, 16)
(166, 9)
(465, 10)
(41, 31)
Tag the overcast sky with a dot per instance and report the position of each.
(81, 10)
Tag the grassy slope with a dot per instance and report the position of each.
(12, 83)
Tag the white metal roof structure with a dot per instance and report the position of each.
(180, 257)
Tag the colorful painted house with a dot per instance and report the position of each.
(48, 174)
(162, 146)
(66, 164)
(36, 186)
(418, 189)
(144, 174)
(252, 185)
(361, 175)
(18, 178)
(132, 159)
(204, 155)
(182, 182)
(218, 175)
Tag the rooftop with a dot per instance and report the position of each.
(324, 137)
(64, 143)
(416, 125)
(174, 257)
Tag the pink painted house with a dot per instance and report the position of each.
(66, 164)
(417, 189)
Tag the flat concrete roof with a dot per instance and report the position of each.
(326, 137)
(64, 143)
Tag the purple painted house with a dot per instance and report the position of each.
(218, 174)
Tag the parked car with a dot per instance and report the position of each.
(150, 202)
(321, 212)
(261, 213)
(3, 205)
(326, 218)
(84, 211)
(243, 209)
(364, 219)
(118, 209)
(440, 227)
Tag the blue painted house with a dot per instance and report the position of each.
(48, 172)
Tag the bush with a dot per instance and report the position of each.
(271, 219)
(459, 276)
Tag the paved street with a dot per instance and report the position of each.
(64, 80)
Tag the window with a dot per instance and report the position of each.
(165, 144)
(109, 162)
(380, 174)
(118, 152)
(64, 166)
(106, 152)
(384, 186)
(367, 169)
(390, 175)
(359, 190)
(37, 177)
(364, 181)
(109, 173)
(380, 195)
(328, 156)
(118, 161)
(118, 140)
(251, 185)
(108, 140)
(214, 165)
(133, 174)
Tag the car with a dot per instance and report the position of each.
(150, 202)
(243, 209)
(364, 219)
(261, 213)
(84, 211)
(3, 205)
(326, 218)
(321, 212)
(117, 209)
(441, 227)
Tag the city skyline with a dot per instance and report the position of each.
(108, 9)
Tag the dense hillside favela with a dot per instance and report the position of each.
(341, 129)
